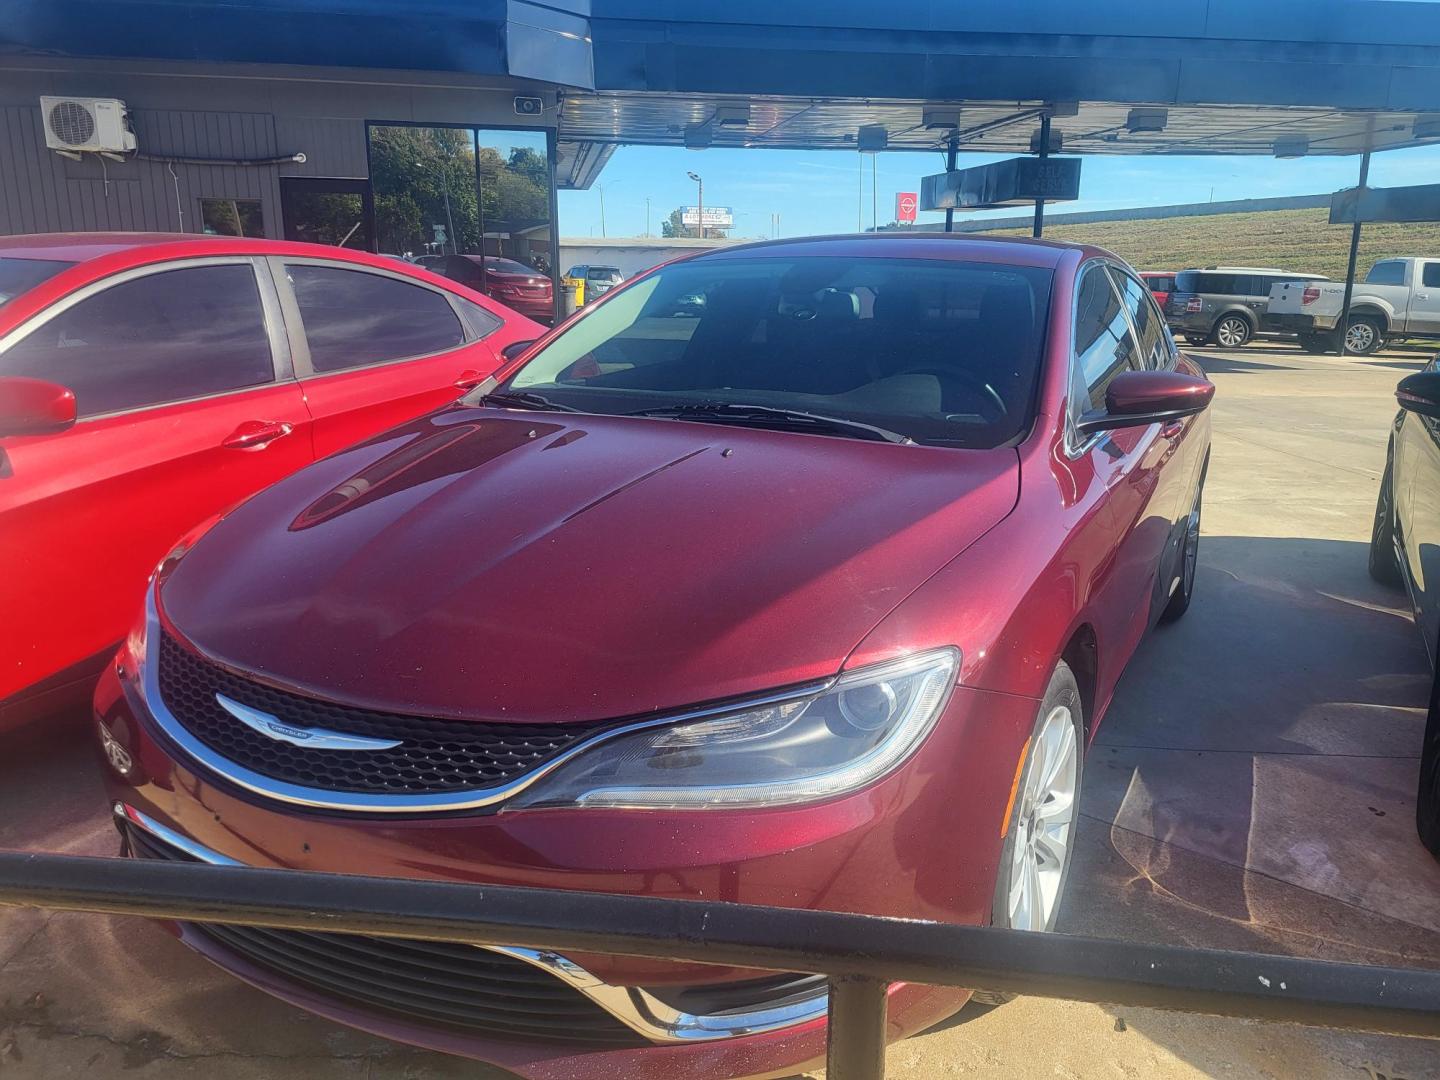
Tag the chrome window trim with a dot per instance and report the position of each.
(295, 321)
(637, 1009)
(1076, 450)
(357, 802)
(281, 355)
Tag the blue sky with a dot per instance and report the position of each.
(816, 191)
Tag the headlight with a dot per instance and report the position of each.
(785, 751)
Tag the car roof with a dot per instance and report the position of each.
(959, 247)
(78, 247)
(1258, 270)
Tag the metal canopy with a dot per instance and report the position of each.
(997, 127)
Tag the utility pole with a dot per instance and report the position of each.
(647, 215)
(860, 200)
(699, 204)
(874, 197)
(601, 188)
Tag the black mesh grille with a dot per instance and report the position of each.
(454, 987)
(434, 756)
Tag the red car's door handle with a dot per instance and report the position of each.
(468, 380)
(256, 434)
(1172, 430)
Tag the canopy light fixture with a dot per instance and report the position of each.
(1149, 120)
(698, 136)
(946, 117)
(1294, 146)
(872, 138)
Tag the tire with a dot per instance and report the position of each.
(1384, 567)
(1050, 778)
(1363, 335)
(1232, 332)
(1427, 796)
(1189, 562)
(1197, 340)
(1316, 344)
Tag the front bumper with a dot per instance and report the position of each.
(923, 843)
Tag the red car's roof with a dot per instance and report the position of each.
(1014, 251)
(77, 247)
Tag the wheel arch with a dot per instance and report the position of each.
(1244, 313)
(1081, 653)
(1373, 311)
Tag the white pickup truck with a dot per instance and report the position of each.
(1398, 298)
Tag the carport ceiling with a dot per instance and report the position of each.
(633, 117)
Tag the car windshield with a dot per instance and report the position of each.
(20, 275)
(944, 352)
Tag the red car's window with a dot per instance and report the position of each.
(942, 351)
(1103, 343)
(1154, 347)
(167, 336)
(353, 318)
(21, 275)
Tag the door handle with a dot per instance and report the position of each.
(256, 434)
(469, 380)
(1173, 430)
(1422, 296)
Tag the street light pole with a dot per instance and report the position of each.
(601, 188)
(699, 204)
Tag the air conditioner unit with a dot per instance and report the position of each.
(95, 125)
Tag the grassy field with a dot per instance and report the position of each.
(1288, 239)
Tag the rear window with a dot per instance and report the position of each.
(1160, 284)
(945, 352)
(510, 266)
(1391, 272)
(21, 275)
(603, 274)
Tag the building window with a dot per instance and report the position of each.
(232, 217)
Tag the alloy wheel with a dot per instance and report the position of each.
(1359, 338)
(1046, 822)
(1232, 333)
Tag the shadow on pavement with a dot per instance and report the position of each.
(1252, 786)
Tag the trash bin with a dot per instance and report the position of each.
(572, 296)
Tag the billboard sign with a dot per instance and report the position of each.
(716, 217)
(906, 203)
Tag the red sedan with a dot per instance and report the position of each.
(810, 595)
(514, 284)
(149, 381)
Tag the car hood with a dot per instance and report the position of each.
(540, 567)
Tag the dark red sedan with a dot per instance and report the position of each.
(514, 284)
(813, 597)
(149, 381)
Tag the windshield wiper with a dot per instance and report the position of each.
(724, 412)
(524, 399)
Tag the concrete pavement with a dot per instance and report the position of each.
(1251, 788)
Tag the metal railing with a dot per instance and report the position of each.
(860, 954)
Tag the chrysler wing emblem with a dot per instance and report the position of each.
(314, 738)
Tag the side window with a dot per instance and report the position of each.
(167, 336)
(1104, 346)
(1389, 272)
(353, 317)
(1430, 276)
(1149, 326)
(482, 322)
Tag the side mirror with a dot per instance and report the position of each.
(515, 348)
(1420, 393)
(1141, 398)
(34, 406)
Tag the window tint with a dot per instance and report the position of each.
(167, 336)
(1161, 284)
(481, 321)
(946, 352)
(1149, 326)
(1390, 272)
(353, 317)
(18, 275)
(1430, 276)
(1103, 344)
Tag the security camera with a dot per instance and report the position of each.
(529, 106)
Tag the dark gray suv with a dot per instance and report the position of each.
(1226, 305)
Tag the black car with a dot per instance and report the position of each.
(1405, 553)
(1225, 305)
